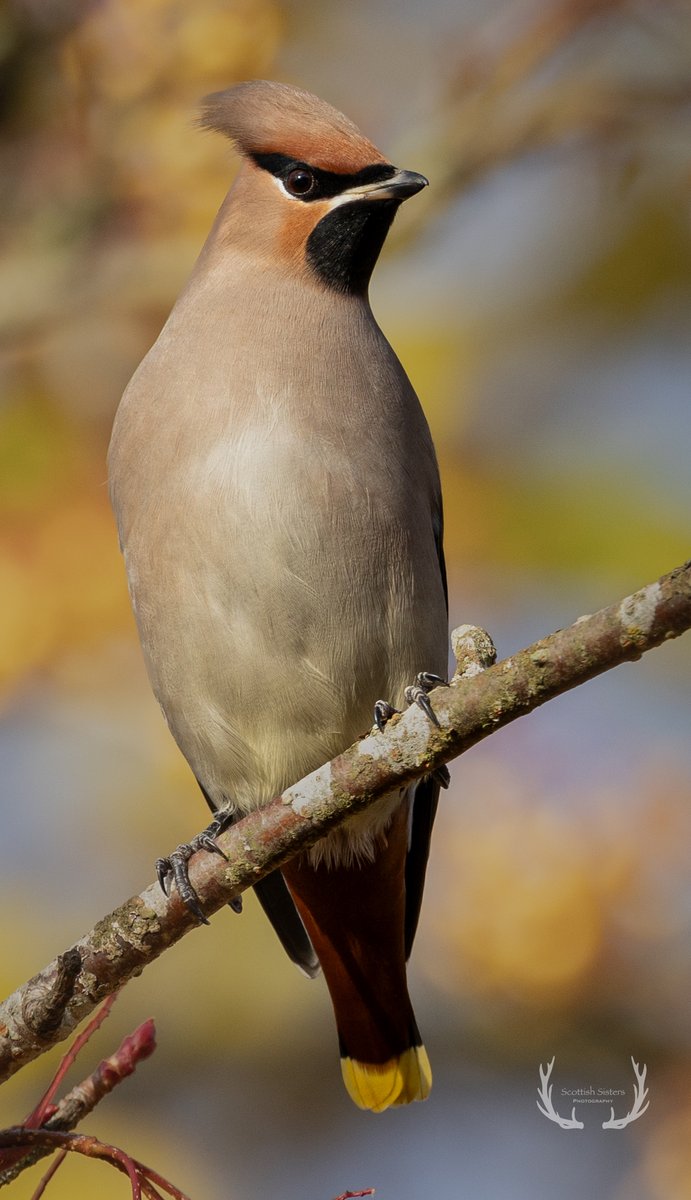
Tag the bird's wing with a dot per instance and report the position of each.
(425, 804)
(277, 902)
(424, 812)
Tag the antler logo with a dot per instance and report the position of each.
(637, 1109)
(545, 1094)
(640, 1092)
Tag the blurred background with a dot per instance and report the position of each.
(539, 294)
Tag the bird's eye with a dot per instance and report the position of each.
(300, 182)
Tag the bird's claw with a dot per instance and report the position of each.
(383, 712)
(205, 841)
(428, 680)
(174, 868)
(416, 693)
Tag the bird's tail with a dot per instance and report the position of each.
(378, 1086)
(355, 916)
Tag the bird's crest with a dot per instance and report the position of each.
(264, 117)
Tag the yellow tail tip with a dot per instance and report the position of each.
(378, 1086)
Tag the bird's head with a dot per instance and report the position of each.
(313, 195)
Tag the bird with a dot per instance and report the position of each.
(278, 501)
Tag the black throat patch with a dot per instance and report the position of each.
(344, 247)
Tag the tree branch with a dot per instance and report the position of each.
(476, 703)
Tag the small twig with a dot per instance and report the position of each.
(46, 1141)
(49, 1140)
(83, 1098)
(52, 1170)
(40, 1113)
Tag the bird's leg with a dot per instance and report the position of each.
(173, 868)
(416, 693)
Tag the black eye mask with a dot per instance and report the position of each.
(325, 183)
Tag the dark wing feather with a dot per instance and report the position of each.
(424, 812)
(425, 804)
(277, 902)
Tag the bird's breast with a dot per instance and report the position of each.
(278, 526)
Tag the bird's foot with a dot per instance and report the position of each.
(174, 868)
(416, 693)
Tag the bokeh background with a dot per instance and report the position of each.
(539, 294)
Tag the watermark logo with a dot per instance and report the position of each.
(590, 1095)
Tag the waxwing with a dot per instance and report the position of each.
(278, 502)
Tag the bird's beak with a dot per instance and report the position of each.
(398, 187)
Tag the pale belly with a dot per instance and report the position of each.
(276, 608)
